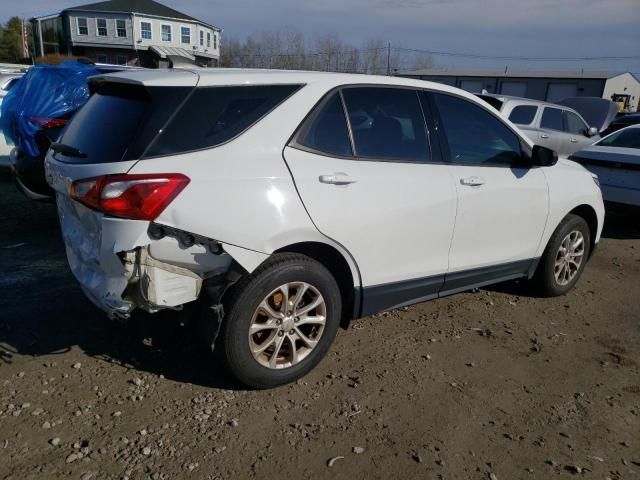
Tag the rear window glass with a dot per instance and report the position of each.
(552, 119)
(213, 115)
(387, 123)
(327, 130)
(119, 121)
(523, 114)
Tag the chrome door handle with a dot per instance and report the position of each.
(544, 135)
(472, 181)
(336, 179)
(573, 140)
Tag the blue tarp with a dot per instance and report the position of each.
(45, 92)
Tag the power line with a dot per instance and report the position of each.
(441, 53)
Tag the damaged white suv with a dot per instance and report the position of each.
(286, 202)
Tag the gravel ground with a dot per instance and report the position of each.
(493, 384)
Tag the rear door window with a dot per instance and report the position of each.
(475, 136)
(523, 114)
(214, 115)
(552, 119)
(387, 123)
(326, 130)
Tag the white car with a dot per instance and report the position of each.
(287, 202)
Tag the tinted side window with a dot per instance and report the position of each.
(552, 119)
(326, 130)
(214, 115)
(523, 114)
(629, 138)
(474, 135)
(387, 123)
(574, 124)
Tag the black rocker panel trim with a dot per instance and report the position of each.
(399, 294)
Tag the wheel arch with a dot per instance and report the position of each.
(343, 269)
(588, 213)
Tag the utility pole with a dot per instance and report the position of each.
(389, 59)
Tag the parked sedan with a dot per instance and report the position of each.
(554, 126)
(616, 161)
(287, 202)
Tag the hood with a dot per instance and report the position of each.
(597, 112)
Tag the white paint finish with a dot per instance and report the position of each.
(500, 221)
(396, 223)
(624, 83)
(570, 186)
(396, 220)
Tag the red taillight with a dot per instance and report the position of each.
(136, 197)
(47, 123)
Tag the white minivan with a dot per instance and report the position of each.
(283, 203)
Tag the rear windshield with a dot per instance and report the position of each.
(119, 122)
(127, 122)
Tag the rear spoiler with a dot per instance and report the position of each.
(147, 78)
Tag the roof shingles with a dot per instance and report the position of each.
(148, 7)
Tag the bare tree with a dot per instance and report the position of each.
(289, 49)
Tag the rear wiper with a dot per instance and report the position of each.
(67, 150)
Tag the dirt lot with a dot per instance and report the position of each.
(490, 384)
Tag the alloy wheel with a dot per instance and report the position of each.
(569, 257)
(287, 325)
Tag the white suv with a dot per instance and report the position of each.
(287, 202)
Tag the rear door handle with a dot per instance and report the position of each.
(336, 179)
(544, 135)
(472, 181)
(574, 140)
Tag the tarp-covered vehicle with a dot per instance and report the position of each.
(34, 113)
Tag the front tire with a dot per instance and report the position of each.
(280, 321)
(565, 257)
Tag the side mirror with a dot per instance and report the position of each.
(543, 156)
(592, 132)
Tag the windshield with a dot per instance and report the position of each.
(627, 138)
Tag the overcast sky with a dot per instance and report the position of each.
(547, 28)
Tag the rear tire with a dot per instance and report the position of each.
(265, 341)
(565, 257)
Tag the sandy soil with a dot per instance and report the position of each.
(493, 384)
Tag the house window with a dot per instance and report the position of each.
(166, 33)
(208, 39)
(215, 41)
(121, 28)
(83, 29)
(102, 27)
(185, 35)
(201, 38)
(101, 58)
(145, 30)
(122, 60)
